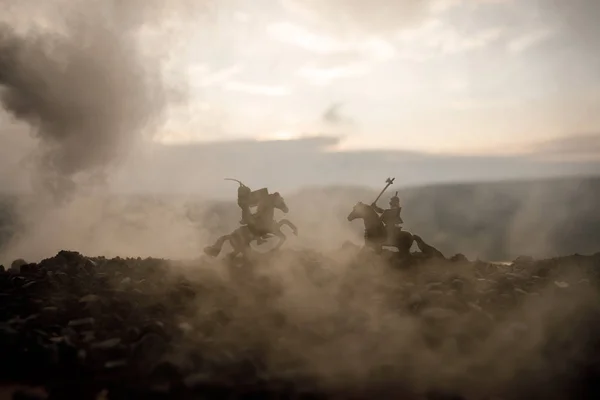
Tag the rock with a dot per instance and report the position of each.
(29, 394)
(90, 298)
(433, 286)
(521, 260)
(197, 379)
(185, 327)
(88, 336)
(107, 344)
(29, 269)
(458, 284)
(68, 319)
(166, 371)
(82, 322)
(28, 285)
(435, 293)
(438, 314)
(459, 258)
(149, 349)
(115, 364)
(17, 264)
(415, 301)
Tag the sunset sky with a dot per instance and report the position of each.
(458, 76)
(353, 90)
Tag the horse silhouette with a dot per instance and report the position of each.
(260, 225)
(375, 233)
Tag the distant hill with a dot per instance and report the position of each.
(493, 221)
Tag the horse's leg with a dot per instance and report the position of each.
(282, 239)
(373, 244)
(288, 223)
(215, 249)
(404, 241)
(242, 243)
(235, 244)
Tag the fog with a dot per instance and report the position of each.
(83, 99)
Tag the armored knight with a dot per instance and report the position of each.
(390, 217)
(246, 199)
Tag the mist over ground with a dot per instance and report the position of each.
(496, 221)
(85, 91)
(83, 96)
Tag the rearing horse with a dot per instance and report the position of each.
(375, 232)
(261, 224)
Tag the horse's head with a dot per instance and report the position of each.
(279, 202)
(359, 211)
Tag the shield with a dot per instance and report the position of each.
(256, 196)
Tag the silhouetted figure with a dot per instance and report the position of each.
(247, 199)
(376, 233)
(390, 218)
(257, 226)
(243, 201)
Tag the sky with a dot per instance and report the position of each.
(439, 76)
(300, 92)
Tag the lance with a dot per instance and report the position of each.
(235, 180)
(389, 181)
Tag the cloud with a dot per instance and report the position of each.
(84, 87)
(437, 38)
(294, 34)
(325, 76)
(452, 42)
(357, 17)
(256, 89)
(373, 48)
(290, 164)
(336, 58)
(207, 78)
(528, 40)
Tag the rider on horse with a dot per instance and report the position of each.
(257, 226)
(390, 217)
(246, 199)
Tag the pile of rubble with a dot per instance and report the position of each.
(149, 328)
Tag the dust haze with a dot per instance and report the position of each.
(355, 322)
(81, 95)
(86, 97)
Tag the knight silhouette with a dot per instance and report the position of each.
(246, 199)
(390, 217)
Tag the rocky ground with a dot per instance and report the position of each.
(301, 325)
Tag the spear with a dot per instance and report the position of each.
(389, 181)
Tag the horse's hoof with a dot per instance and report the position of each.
(211, 251)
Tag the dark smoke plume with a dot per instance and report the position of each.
(84, 88)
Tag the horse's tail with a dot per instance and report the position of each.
(216, 248)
